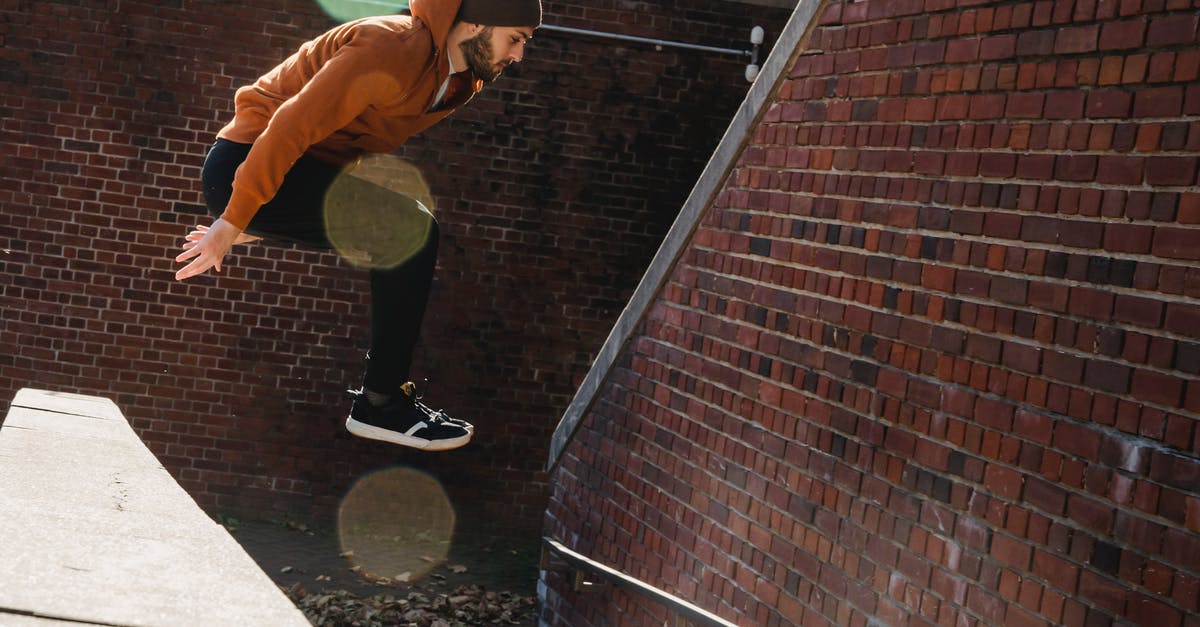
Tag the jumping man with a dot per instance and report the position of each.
(363, 87)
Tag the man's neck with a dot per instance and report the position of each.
(460, 66)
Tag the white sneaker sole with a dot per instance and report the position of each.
(371, 432)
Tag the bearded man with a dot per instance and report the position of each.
(363, 87)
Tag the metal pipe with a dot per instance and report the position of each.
(645, 40)
(673, 604)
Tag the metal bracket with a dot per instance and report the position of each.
(756, 39)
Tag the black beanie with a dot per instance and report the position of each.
(501, 12)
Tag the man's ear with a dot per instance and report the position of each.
(462, 31)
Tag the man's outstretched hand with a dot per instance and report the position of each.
(207, 246)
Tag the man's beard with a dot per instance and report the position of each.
(478, 53)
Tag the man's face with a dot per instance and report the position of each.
(495, 48)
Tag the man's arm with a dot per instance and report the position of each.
(355, 76)
(350, 81)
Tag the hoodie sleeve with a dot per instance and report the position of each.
(362, 67)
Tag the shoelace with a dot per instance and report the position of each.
(436, 416)
(417, 393)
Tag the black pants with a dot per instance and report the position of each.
(399, 295)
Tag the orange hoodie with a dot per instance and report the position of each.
(365, 86)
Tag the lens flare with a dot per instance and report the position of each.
(377, 215)
(346, 10)
(396, 523)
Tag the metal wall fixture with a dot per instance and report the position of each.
(752, 68)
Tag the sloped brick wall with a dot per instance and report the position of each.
(553, 189)
(931, 354)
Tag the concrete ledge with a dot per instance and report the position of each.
(94, 530)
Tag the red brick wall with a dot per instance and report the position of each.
(931, 356)
(553, 190)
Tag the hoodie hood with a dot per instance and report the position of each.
(438, 15)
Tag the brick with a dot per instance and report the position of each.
(1046, 496)
(1027, 105)
(1175, 470)
(1035, 166)
(929, 53)
(1120, 170)
(962, 50)
(1065, 105)
(1175, 243)
(1076, 39)
(1158, 102)
(1128, 238)
(1092, 303)
(988, 606)
(1008, 290)
(1090, 513)
(1089, 234)
(1022, 357)
(1124, 453)
(1171, 170)
(1181, 546)
(1075, 167)
(1140, 533)
(1134, 70)
(1062, 366)
(988, 106)
(1035, 42)
(1162, 68)
(1171, 30)
(1122, 35)
(1076, 440)
(953, 107)
(997, 47)
(1011, 551)
(1145, 610)
(1109, 103)
(1183, 319)
(1187, 357)
(1003, 482)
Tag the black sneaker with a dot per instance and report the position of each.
(407, 422)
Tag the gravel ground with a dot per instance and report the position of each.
(480, 581)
